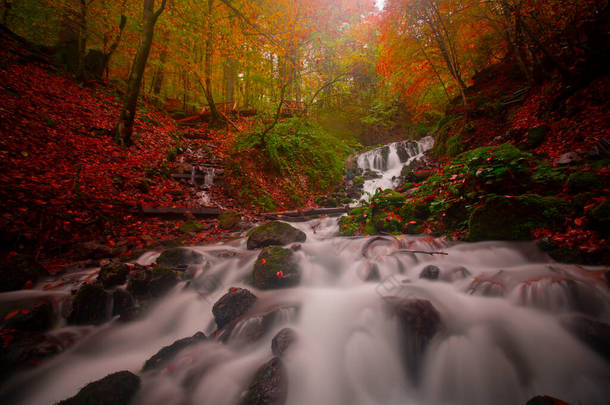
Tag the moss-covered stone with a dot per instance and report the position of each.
(113, 274)
(387, 222)
(414, 210)
(269, 386)
(229, 219)
(178, 257)
(348, 225)
(17, 271)
(191, 226)
(276, 267)
(90, 305)
(580, 200)
(503, 218)
(535, 137)
(274, 233)
(114, 389)
(388, 198)
(358, 181)
(582, 181)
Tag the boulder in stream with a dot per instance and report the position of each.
(38, 318)
(229, 219)
(114, 389)
(274, 233)
(276, 267)
(179, 257)
(282, 341)
(594, 334)
(269, 385)
(90, 305)
(430, 272)
(152, 282)
(232, 305)
(167, 353)
(113, 274)
(419, 322)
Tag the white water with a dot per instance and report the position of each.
(500, 350)
(390, 169)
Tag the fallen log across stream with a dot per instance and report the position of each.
(304, 215)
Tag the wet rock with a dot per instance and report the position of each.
(90, 305)
(282, 341)
(457, 273)
(229, 219)
(168, 352)
(430, 272)
(179, 257)
(276, 267)
(601, 149)
(232, 305)
(567, 158)
(114, 389)
(274, 233)
(419, 322)
(22, 349)
(255, 327)
(583, 181)
(35, 319)
(19, 270)
(269, 385)
(372, 273)
(534, 137)
(122, 303)
(113, 274)
(152, 282)
(545, 400)
(594, 334)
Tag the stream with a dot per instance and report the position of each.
(500, 339)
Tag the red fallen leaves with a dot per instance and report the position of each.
(280, 274)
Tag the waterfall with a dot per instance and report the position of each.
(382, 166)
(501, 337)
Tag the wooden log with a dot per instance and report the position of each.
(204, 212)
(308, 212)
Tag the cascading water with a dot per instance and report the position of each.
(501, 345)
(386, 162)
(501, 336)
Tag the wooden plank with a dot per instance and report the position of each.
(178, 212)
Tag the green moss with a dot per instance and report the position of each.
(535, 137)
(502, 218)
(229, 219)
(582, 181)
(274, 233)
(600, 217)
(275, 267)
(191, 226)
(358, 181)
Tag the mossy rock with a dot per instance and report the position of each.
(167, 353)
(90, 305)
(348, 225)
(191, 226)
(114, 389)
(388, 199)
(178, 257)
(583, 181)
(17, 271)
(113, 274)
(600, 217)
(232, 305)
(276, 267)
(274, 233)
(229, 219)
(387, 222)
(269, 386)
(503, 218)
(414, 211)
(358, 181)
(535, 137)
(580, 200)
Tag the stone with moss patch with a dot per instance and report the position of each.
(274, 233)
(179, 257)
(17, 271)
(503, 218)
(90, 305)
(191, 226)
(229, 219)
(582, 181)
(276, 267)
(600, 217)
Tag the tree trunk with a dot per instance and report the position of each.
(216, 120)
(157, 82)
(82, 40)
(124, 127)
